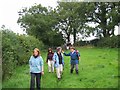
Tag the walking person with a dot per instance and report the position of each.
(36, 69)
(75, 56)
(58, 59)
(50, 60)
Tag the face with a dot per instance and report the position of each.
(60, 51)
(36, 53)
(71, 49)
(50, 51)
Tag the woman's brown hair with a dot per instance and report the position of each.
(50, 49)
(72, 47)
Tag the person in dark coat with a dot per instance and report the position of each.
(75, 56)
(50, 61)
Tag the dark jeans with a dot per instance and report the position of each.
(32, 82)
(72, 67)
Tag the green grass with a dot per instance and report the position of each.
(98, 68)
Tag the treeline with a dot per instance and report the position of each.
(110, 42)
(70, 18)
(16, 50)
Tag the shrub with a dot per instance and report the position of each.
(16, 50)
(112, 42)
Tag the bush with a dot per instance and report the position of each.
(16, 50)
(81, 43)
(112, 42)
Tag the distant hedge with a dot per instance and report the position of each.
(112, 42)
(16, 50)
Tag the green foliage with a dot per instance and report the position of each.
(80, 43)
(112, 42)
(69, 20)
(39, 21)
(16, 50)
(104, 14)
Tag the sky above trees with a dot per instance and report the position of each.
(9, 11)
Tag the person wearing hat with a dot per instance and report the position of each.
(50, 61)
(36, 69)
(59, 60)
(75, 56)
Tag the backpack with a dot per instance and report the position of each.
(77, 54)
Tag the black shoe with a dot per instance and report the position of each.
(59, 78)
(77, 72)
(71, 71)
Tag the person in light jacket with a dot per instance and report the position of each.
(36, 69)
(59, 60)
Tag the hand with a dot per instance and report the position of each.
(62, 51)
(55, 61)
(77, 51)
(42, 72)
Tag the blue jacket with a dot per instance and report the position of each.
(74, 57)
(36, 64)
(56, 59)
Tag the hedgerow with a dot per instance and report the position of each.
(16, 50)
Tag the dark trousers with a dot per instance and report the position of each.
(72, 67)
(32, 82)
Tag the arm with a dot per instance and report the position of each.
(42, 64)
(30, 63)
(54, 58)
(66, 54)
(62, 59)
(42, 67)
(47, 59)
(78, 56)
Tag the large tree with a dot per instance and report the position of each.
(39, 21)
(69, 20)
(104, 14)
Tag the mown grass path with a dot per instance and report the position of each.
(98, 68)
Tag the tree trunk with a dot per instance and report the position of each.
(74, 35)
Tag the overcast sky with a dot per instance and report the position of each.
(9, 11)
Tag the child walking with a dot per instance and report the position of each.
(50, 60)
(36, 69)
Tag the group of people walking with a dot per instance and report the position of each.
(54, 60)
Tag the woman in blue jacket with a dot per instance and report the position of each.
(58, 59)
(36, 69)
(75, 56)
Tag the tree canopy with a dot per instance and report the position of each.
(70, 19)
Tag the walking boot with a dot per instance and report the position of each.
(76, 71)
(71, 71)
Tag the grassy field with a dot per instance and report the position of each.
(98, 68)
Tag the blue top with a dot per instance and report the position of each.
(74, 57)
(56, 59)
(36, 64)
